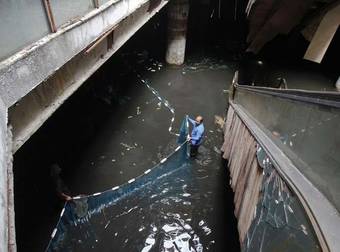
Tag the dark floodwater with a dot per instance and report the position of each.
(174, 207)
(114, 129)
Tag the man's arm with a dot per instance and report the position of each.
(193, 122)
(65, 197)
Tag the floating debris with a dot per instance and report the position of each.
(138, 112)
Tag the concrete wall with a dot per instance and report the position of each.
(25, 70)
(27, 115)
(38, 79)
(3, 178)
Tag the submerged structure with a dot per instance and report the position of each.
(279, 180)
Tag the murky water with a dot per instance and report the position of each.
(178, 210)
(128, 124)
(165, 210)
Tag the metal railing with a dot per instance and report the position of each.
(300, 131)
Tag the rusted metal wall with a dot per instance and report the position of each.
(270, 215)
(246, 175)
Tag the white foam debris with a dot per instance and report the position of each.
(290, 209)
(107, 224)
(165, 190)
(206, 230)
(131, 209)
(168, 245)
(186, 194)
(187, 226)
(150, 241)
(168, 228)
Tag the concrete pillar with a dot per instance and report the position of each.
(7, 227)
(337, 84)
(177, 29)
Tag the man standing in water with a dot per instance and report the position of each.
(196, 137)
(61, 189)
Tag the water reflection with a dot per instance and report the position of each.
(163, 210)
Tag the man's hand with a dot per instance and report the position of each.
(188, 138)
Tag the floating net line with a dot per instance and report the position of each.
(81, 208)
(155, 66)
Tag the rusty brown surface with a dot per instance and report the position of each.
(153, 5)
(49, 15)
(239, 149)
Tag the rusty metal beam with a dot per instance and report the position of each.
(49, 14)
(100, 39)
(96, 3)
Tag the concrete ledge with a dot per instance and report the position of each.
(25, 70)
(3, 179)
(27, 115)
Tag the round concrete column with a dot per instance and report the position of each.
(337, 84)
(177, 29)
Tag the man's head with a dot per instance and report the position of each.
(55, 170)
(199, 119)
